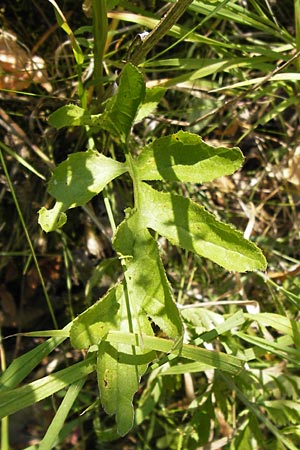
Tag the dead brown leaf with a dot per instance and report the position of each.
(18, 68)
(292, 172)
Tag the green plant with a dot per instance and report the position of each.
(144, 292)
(118, 330)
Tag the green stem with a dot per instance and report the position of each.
(131, 172)
(100, 36)
(28, 239)
(109, 211)
(161, 29)
(130, 307)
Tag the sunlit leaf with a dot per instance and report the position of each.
(218, 360)
(151, 100)
(147, 283)
(68, 116)
(186, 157)
(283, 324)
(283, 347)
(190, 226)
(91, 326)
(81, 176)
(52, 219)
(75, 181)
(283, 412)
(120, 365)
(23, 365)
(121, 109)
(16, 399)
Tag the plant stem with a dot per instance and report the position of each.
(100, 36)
(10, 184)
(109, 211)
(161, 29)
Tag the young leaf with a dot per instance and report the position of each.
(146, 280)
(75, 181)
(52, 219)
(151, 100)
(190, 226)
(68, 116)
(186, 157)
(81, 176)
(121, 110)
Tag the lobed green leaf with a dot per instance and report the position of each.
(118, 381)
(81, 176)
(186, 157)
(190, 226)
(116, 362)
(75, 181)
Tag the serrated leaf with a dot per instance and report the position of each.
(121, 110)
(186, 157)
(68, 116)
(147, 283)
(190, 226)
